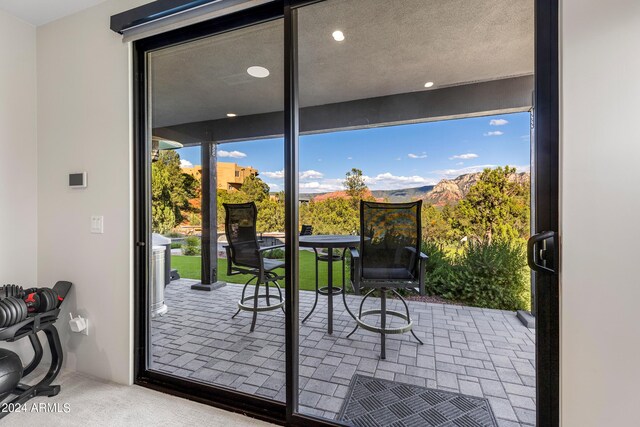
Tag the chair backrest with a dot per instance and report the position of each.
(390, 239)
(240, 229)
(307, 230)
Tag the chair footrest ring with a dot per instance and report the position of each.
(243, 306)
(325, 258)
(386, 331)
(325, 290)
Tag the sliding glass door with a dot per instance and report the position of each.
(266, 139)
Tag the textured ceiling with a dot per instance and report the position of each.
(390, 48)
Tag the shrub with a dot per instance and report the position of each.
(191, 246)
(439, 275)
(336, 251)
(276, 253)
(176, 245)
(491, 275)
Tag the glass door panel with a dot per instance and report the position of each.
(216, 123)
(423, 104)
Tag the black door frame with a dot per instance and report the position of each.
(547, 200)
(546, 146)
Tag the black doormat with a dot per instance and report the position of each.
(373, 402)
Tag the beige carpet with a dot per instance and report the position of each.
(93, 402)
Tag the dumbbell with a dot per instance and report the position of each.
(11, 291)
(12, 310)
(17, 303)
(40, 300)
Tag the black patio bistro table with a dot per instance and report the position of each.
(329, 242)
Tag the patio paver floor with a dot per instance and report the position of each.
(480, 352)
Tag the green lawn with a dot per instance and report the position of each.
(189, 268)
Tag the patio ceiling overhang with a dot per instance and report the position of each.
(501, 96)
(479, 54)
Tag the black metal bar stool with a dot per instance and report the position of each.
(389, 260)
(245, 256)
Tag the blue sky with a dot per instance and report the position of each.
(390, 157)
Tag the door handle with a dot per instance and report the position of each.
(542, 259)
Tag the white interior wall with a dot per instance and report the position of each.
(18, 159)
(84, 125)
(600, 330)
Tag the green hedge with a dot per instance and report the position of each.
(276, 253)
(485, 275)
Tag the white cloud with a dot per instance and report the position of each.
(310, 185)
(459, 163)
(274, 186)
(498, 122)
(389, 181)
(311, 174)
(327, 185)
(417, 156)
(185, 163)
(349, 158)
(304, 175)
(308, 174)
(233, 154)
(466, 156)
(453, 173)
(494, 133)
(274, 175)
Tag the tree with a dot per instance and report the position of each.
(224, 196)
(270, 215)
(331, 216)
(355, 186)
(255, 188)
(496, 205)
(436, 223)
(170, 192)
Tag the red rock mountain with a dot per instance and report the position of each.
(451, 191)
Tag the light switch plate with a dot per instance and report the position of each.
(97, 224)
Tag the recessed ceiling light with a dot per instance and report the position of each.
(428, 84)
(338, 36)
(257, 71)
(231, 114)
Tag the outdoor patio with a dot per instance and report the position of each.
(478, 352)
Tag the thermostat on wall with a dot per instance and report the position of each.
(78, 180)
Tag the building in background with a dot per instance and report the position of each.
(230, 176)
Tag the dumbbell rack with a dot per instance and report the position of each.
(29, 328)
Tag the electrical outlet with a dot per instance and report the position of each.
(97, 224)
